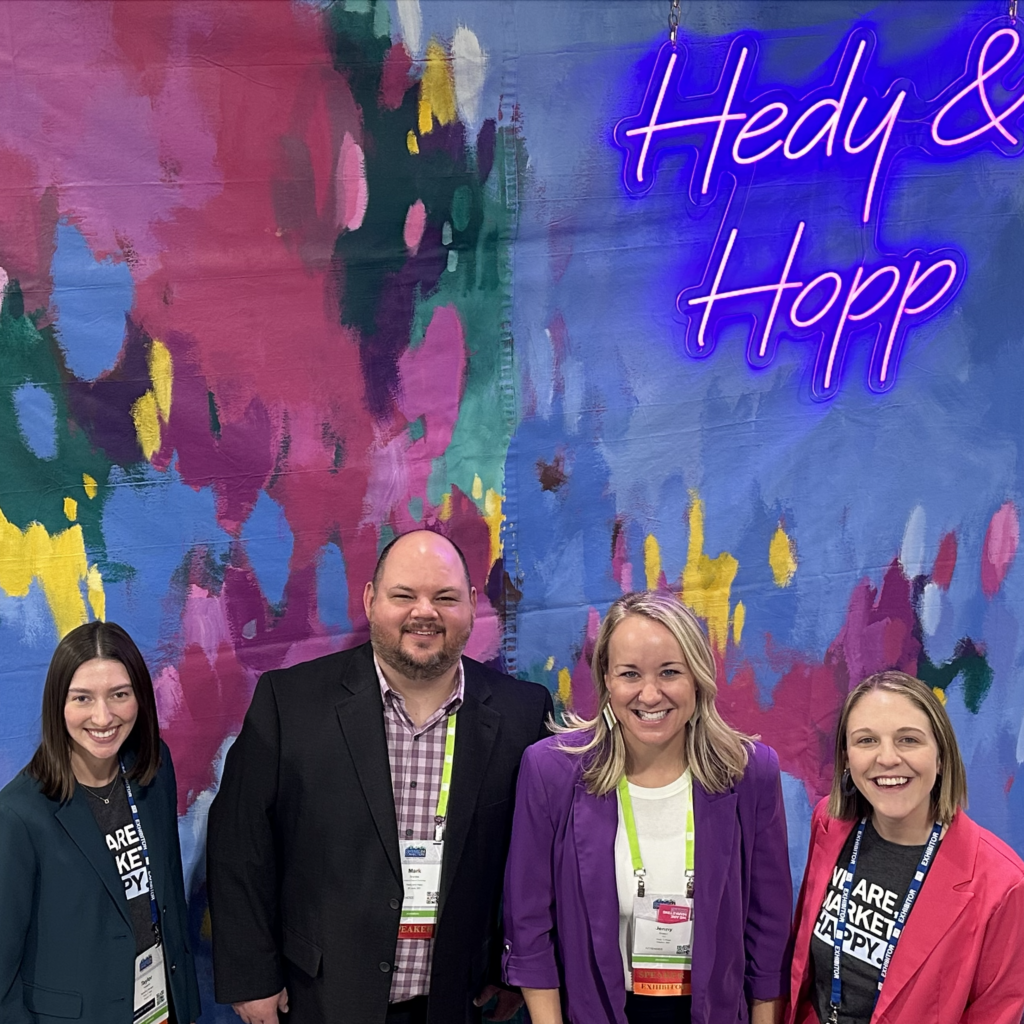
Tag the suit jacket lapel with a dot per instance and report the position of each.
(477, 728)
(938, 906)
(361, 717)
(715, 864)
(595, 820)
(79, 823)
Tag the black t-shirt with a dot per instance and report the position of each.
(118, 829)
(880, 884)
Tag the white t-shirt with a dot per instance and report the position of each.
(660, 817)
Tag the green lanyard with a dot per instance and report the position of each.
(446, 778)
(626, 802)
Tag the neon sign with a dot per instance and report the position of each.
(847, 126)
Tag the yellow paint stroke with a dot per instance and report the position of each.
(97, 595)
(549, 664)
(71, 509)
(478, 488)
(161, 373)
(494, 517)
(739, 617)
(90, 485)
(782, 557)
(707, 581)
(412, 143)
(652, 561)
(564, 685)
(940, 693)
(437, 90)
(445, 512)
(145, 413)
(60, 565)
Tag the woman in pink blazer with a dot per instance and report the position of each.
(926, 907)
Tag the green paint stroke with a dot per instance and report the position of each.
(480, 289)
(967, 662)
(33, 489)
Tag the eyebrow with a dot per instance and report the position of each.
(110, 689)
(664, 664)
(412, 590)
(902, 728)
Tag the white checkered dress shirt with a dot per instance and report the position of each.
(417, 758)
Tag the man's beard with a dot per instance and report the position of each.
(420, 669)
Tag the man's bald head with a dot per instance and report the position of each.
(378, 571)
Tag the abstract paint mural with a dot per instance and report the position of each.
(282, 279)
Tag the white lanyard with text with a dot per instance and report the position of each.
(150, 1005)
(421, 860)
(897, 928)
(662, 947)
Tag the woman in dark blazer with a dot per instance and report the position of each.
(92, 901)
(627, 825)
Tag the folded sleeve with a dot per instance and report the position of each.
(529, 958)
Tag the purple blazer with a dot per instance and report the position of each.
(562, 909)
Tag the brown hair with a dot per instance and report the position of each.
(950, 790)
(716, 753)
(51, 763)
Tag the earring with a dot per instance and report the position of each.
(609, 717)
(846, 783)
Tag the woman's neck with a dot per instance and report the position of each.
(91, 771)
(653, 767)
(913, 830)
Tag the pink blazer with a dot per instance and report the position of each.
(961, 957)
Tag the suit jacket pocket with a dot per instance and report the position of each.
(50, 1002)
(302, 953)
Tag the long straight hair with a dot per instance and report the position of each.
(51, 763)
(716, 753)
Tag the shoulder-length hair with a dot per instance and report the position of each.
(716, 753)
(51, 763)
(950, 790)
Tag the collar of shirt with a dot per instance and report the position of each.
(395, 699)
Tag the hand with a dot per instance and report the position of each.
(508, 1002)
(262, 1011)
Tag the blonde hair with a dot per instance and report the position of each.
(716, 753)
(950, 790)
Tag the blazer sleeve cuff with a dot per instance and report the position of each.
(767, 986)
(533, 970)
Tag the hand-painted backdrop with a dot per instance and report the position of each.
(282, 279)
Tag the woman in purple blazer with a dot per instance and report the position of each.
(648, 875)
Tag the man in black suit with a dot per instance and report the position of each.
(335, 802)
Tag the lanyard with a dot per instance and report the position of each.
(626, 801)
(154, 914)
(897, 929)
(446, 778)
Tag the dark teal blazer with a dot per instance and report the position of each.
(67, 950)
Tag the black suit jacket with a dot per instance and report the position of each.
(67, 948)
(304, 879)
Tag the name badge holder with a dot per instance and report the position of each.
(150, 1005)
(421, 859)
(662, 945)
(836, 998)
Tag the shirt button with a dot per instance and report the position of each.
(408, 833)
(395, 904)
(415, 739)
(384, 967)
(174, 967)
(412, 785)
